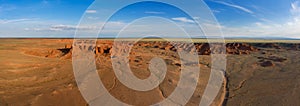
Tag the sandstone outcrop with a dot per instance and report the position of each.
(105, 48)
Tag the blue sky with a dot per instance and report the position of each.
(237, 18)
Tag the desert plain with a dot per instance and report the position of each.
(38, 72)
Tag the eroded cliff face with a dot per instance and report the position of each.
(106, 48)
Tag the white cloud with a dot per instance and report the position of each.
(216, 11)
(154, 12)
(295, 10)
(183, 19)
(264, 29)
(235, 6)
(93, 18)
(91, 11)
(288, 30)
(265, 20)
(62, 27)
(92, 27)
(4, 21)
(196, 18)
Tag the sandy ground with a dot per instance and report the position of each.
(34, 73)
(251, 84)
(32, 80)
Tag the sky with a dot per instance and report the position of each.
(60, 18)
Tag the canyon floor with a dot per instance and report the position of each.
(38, 72)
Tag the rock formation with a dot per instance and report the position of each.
(105, 48)
(201, 48)
(267, 64)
